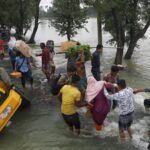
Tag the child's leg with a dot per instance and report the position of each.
(122, 134)
(130, 132)
(46, 71)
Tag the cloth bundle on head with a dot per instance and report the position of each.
(23, 48)
(66, 45)
(93, 88)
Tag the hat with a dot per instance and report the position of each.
(93, 88)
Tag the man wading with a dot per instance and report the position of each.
(70, 97)
(95, 62)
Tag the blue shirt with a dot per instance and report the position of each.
(24, 67)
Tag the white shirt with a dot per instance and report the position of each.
(125, 100)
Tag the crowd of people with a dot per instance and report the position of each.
(99, 95)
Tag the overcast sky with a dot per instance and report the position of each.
(45, 2)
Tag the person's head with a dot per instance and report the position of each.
(121, 84)
(114, 70)
(78, 43)
(42, 45)
(75, 80)
(99, 47)
(71, 71)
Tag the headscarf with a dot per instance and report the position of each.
(93, 88)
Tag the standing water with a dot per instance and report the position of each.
(41, 126)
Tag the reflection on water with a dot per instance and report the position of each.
(41, 127)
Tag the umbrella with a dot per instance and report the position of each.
(67, 44)
(23, 48)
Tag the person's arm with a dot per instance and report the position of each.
(105, 78)
(109, 85)
(141, 90)
(60, 94)
(82, 57)
(147, 90)
(60, 97)
(16, 64)
(78, 101)
(111, 96)
(81, 104)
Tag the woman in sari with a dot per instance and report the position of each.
(99, 104)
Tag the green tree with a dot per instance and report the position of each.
(18, 14)
(138, 21)
(36, 20)
(97, 5)
(68, 17)
(114, 23)
(127, 21)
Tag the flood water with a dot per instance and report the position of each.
(41, 126)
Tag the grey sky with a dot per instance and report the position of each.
(45, 2)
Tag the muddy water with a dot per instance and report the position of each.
(41, 126)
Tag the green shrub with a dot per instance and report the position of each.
(73, 51)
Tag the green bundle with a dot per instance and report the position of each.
(74, 51)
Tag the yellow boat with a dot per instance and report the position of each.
(9, 107)
(3, 87)
(14, 100)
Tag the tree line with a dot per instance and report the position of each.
(20, 14)
(126, 20)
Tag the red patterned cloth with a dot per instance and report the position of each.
(45, 56)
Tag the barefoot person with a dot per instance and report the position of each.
(45, 61)
(70, 97)
(22, 64)
(95, 62)
(125, 99)
(98, 103)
